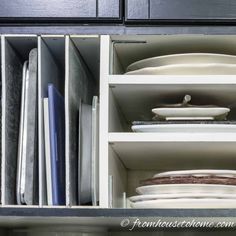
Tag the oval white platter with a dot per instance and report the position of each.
(186, 203)
(183, 58)
(151, 197)
(191, 112)
(201, 172)
(192, 128)
(188, 69)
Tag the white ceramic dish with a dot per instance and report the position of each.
(186, 203)
(191, 112)
(20, 186)
(191, 128)
(184, 58)
(186, 188)
(141, 198)
(188, 69)
(85, 155)
(222, 173)
(95, 150)
(165, 113)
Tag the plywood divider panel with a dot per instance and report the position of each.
(103, 121)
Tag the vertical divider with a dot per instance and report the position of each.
(3, 98)
(103, 121)
(42, 200)
(67, 152)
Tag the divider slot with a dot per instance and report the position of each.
(15, 50)
(51, 70)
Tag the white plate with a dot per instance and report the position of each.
(95, 150)
(193, 58)
(21, 140)
(85, 155)
(192, 128)
(186, 203)
(186, 188)
(188, 69)
(222, 173)
(141, 198)
(191, 112)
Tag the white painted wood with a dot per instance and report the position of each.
(117, 122)
(202, 80)
(171, 137)
(103, 121)
(115, 62)
(155, 151)
(119, 178)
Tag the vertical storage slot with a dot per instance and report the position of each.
(15, 51)
(81, 84)
(51, 71)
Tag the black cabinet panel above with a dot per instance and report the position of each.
(62, 10)
(109, 8)
(180, 10)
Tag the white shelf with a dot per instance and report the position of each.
(152, 151)
(172, 79)
(172, 137)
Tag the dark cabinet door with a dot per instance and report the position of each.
(59, 10)
(180, 10)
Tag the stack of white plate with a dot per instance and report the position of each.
(184, 117)
(185, 64)
(200, 189)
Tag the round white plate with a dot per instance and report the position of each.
(186, 188)
(175, 128)
(184, 58)
(188, 69)
(222, 173)
(192, 112)
(186, 203)
(140, 198)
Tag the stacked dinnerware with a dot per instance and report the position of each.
(185, 117)
(187, 189)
